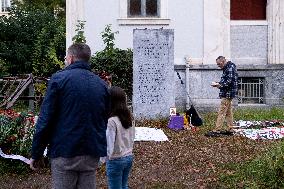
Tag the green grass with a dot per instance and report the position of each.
(266, 171)
(248, 114)
(15, 166)
(253, 114)
(258, 114)
(8, 166)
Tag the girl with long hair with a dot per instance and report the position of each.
(120, 139)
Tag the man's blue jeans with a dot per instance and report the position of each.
(118, 171)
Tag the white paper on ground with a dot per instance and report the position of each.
(246, 124)
(242, 123)
(12, 156)
(265, 133)
(149, 134)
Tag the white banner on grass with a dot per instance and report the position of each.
(265, 133)
(19, 157)
(12, 156)
(149, 134)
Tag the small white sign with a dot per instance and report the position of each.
(173, 111)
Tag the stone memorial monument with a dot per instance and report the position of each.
(153, 72)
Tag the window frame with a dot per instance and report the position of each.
(143, 10)
(7, 8)
(162, 20)
(248, 22)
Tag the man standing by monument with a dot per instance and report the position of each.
(73, 122)
(228, 86)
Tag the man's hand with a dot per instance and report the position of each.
(36, 164)
(215, 84)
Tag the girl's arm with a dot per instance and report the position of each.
(110, 135)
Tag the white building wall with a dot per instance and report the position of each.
(203, 31)
(185, 17)
(216, 30)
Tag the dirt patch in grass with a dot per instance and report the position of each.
(187, 160)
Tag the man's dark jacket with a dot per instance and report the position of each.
(73, 116)
(229, 81)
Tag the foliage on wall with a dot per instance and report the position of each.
(79, 36)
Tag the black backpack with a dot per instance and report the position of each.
(193, 115)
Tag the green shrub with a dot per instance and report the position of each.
(116, 61)
(16, 133)
(3, 68)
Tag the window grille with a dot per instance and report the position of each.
(143, 8)
(251, 90)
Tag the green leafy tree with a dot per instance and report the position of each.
(56, 6)
(116, 61)
(32, 40)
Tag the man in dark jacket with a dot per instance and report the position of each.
(73, 122)
(228, 86)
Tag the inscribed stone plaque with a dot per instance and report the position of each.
(153, 72)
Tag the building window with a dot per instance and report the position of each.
(143, 8)
(248, 9)
(251, 90)
(5, 5)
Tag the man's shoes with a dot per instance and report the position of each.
(228, 133)
(213, 134)
(217, 133)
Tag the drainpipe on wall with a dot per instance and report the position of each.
(187, 62)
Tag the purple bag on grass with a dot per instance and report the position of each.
(176, 122)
